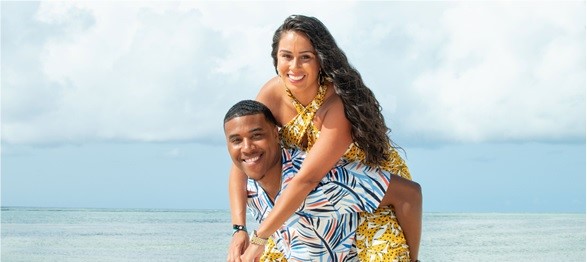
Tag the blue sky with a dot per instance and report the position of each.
(120, 104)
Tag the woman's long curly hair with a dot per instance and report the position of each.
(362, 109)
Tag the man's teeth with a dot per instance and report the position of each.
(296, 77)
(251, 159)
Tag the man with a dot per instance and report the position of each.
(323, 227)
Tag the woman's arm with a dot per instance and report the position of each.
(237, 191)
(334, 140)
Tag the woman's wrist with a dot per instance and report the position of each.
(255, 239)
(262, 233)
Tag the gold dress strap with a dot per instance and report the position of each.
(301, 126)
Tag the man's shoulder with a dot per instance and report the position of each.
(292, 160)
(292, 154)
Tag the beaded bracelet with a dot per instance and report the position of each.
(239, 228)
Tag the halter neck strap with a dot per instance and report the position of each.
(313, 105)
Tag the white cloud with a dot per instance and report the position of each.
(157, 71)
(506, 71)
(147, 72)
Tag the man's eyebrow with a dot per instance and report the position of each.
(253, 130)
(233, 136)
(256, 129)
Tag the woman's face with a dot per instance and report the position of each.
(297, 62)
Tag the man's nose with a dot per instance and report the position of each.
(248, 145)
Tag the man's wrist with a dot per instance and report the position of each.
(238, 228)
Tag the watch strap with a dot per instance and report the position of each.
(257, 240)
(237, 228)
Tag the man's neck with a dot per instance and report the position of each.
(271, 181)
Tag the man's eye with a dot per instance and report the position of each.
(259, 136)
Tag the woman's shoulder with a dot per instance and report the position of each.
(273, 96)
(269, 91)
(332, 104)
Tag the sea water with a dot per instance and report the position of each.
(53, 234)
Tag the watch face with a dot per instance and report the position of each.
(239, 227)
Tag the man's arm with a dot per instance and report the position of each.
(237, 191)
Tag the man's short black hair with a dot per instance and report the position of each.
(249, 107)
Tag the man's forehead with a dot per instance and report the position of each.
(252, 121)
(255, 118)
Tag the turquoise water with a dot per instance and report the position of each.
(50, 234)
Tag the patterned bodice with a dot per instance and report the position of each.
(301, 126)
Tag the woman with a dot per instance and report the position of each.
(318, 94)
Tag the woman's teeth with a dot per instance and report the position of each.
(296, 78)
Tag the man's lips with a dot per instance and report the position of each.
(251, 160)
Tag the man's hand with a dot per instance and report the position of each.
(238, 245)
(253, 253)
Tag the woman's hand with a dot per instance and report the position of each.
(253, 253)
(238, 245)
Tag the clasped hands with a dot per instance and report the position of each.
(241, 251)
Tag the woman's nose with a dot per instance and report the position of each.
(294, 63)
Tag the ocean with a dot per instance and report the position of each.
(66, 234)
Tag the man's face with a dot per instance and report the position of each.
(253, 145)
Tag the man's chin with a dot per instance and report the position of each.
(253, 174)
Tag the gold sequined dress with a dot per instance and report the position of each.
(379, 236)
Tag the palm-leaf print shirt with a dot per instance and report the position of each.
(323, 227)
